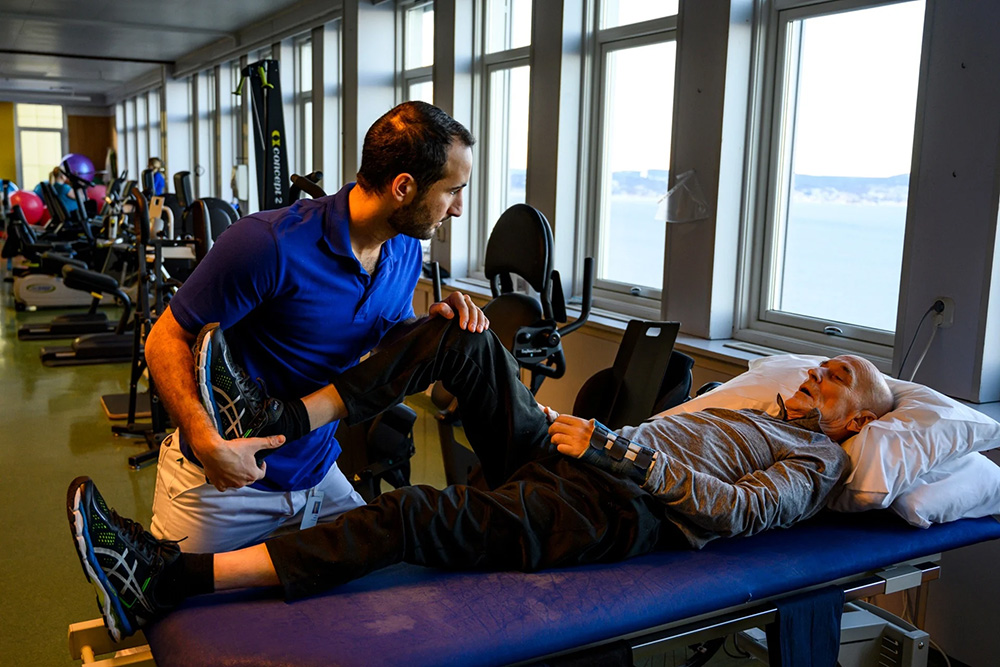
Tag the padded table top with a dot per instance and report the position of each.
(409, 615)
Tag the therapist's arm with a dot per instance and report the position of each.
(228, 464)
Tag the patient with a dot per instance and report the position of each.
(565, 490)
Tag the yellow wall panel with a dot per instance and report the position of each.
(8, 160)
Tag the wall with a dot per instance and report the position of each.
(8, 158)
(90, 136)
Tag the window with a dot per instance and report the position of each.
(504, 74)
(417, 22)
(177, 96)
(616, 13)
(131, 151)
(633, 56)
(119, 138)
(841, 143)
(331, 107)
(303, 107)
(206, 162)
(40, 141)
(142, 133)
(155, 142)
(229, 131)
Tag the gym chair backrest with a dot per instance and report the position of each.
(220, 212)
(647, 377)
(57, 210)
(184, 187)
(521, 245)
(207, 225)
(148, 184)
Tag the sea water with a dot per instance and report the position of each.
(841, 260)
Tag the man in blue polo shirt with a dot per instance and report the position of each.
(302, 294)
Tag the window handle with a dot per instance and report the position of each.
(833, 331)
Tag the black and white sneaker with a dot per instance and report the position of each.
(238, 405)
(120, 558)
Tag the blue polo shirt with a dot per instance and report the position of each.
(298, 309)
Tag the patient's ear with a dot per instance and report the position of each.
(859, 420)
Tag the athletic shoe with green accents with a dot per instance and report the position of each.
(120, 558)
(237, 404)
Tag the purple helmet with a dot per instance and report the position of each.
(78, 165)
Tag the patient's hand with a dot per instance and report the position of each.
(550, 414)
(571, 435)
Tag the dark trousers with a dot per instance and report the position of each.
(544, 509)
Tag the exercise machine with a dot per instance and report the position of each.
(269, 132)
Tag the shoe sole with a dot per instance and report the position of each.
(203, 347)
(106, 599)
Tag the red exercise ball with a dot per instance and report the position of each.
(96, 193)
(30, 203)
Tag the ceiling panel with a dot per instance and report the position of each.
(91, 48)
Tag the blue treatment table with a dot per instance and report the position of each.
(408, 615)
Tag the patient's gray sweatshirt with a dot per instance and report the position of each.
(722, 473)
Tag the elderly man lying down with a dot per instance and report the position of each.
(565, 490)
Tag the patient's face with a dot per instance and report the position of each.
(837, 388)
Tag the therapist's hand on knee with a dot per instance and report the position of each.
(470, 316)
(571, 435)
(230, 464)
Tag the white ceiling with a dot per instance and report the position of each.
(79, 52)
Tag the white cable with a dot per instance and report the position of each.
(924, 354)
(944, 655)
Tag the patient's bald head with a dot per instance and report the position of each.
(847, 390)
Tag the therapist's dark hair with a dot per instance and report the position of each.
(412, 138)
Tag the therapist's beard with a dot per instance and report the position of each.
(413, 220)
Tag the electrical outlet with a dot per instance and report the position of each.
(946, 317)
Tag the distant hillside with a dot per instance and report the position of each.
(842, 189)
(848, 189)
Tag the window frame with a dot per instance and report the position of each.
(302, 97)
(631, 300)
(63, 139)
(407, 78)
(768, 190)
(479, 203)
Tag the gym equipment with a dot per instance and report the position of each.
(149, 280)
(38, 282)
(148, 404)
(308, 184)
(269, 133)
(648, 376)
(69, 325)
(100, 348)
(221, 212)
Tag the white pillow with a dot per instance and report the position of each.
(966, 487)
(925, 429)
(757, 388)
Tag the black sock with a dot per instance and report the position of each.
(190, 574)
(293, 422)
